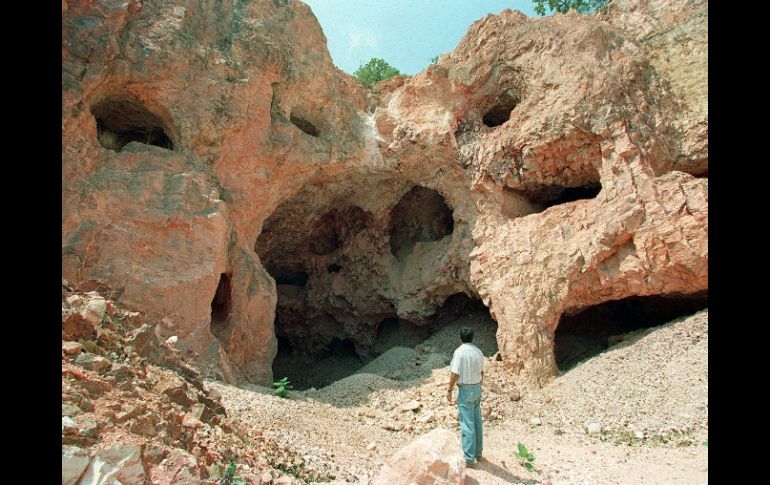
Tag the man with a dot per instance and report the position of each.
(467, 371)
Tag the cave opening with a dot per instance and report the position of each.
(393, 348)
(304, 125)
(289, 277)
(337, 359)
(585, 333)
(221, 305)
(551, 195)
(500, 112)
(120, 121)
(421, 215)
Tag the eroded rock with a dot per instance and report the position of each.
(544, 166)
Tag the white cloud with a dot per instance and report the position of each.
(360, 40)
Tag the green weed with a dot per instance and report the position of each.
(282, 387)
(525, 457)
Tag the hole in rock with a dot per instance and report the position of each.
(220, 305)
(120, 121)
(551, 195)
(290, 278)
(421, 215)
(500, 112)
(304, 125)
(334, 268)
(590, 331)
(318, 353)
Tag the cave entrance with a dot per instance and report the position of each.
(586, 333)
(422, 214)
(221, 306)
(551, 195)
(500, 112)
(397, 349)
(120, 121)
(458, 311)
(339, 359)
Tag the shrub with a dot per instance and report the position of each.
(564, 6)
(282, 387)
(374, 71)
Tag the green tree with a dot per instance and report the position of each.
(563, 6)
(375, 70)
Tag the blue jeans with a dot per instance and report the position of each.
(469, 412)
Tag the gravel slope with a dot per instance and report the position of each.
(648, 395)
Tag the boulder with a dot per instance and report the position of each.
(176, 389)
(178, 468)
(94, 310)
(117, 464)
(71, 348)
(74, 461)
(433, 458)
(75, 327)
(93, 362)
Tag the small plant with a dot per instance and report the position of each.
(525, 457)
(282, 387)
(434, 59)
(706, 443)
(109, 140)
(229, 478)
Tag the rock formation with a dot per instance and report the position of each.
(219, 170)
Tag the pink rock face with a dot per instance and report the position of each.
(219, 170)
(433, 458)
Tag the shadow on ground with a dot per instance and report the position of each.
(500, 472)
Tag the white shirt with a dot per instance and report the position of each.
(468, 363)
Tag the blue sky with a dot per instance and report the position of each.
(406, 33)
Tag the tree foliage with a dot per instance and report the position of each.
(375, 70)
(564, 6)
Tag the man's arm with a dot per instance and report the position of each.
(482, 377)
(452, 381)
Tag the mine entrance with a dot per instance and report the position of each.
(590, 331)
(396, 349)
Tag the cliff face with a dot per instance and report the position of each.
(217, 169)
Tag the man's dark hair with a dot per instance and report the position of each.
(466, 335)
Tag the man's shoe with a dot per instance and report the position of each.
(480, 459)
(471, 464)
